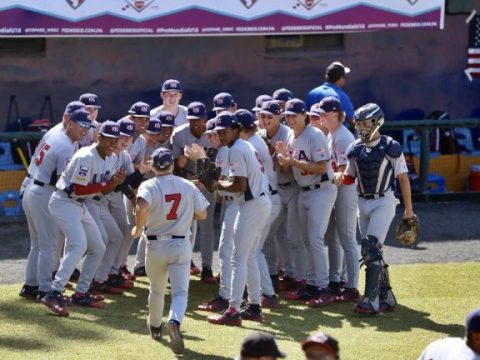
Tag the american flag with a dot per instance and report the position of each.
(473, 65)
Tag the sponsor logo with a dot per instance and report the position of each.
(139, 5)
(308, 4)
(248, 3)
(75, 3)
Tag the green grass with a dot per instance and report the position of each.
(433, 302)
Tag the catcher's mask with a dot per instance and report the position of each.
(371, 112)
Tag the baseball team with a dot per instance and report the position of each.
(294, 180)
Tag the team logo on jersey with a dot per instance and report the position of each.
(248, 3)
(412, 2)
(83, 170)
(139, 5)
(308, 4)
(75, 3)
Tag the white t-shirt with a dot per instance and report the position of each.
(449, 349)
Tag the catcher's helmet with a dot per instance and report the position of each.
(371, 112)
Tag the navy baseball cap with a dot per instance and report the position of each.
(210, 126)
(260, 100)
(82, 117)
(140, 109)
(162, 158)
(90, 100)
(167, 118)
(110, 129)
(223, 101)
(172, 85)
(127, 127)
(330, 104)
(224, 120)
(282, 95)
(472, 323)
(154, 126)
(245, 118)
(196, 110)
(74, 105)
(260, 344)
(271, 107)
(294, 106)
(327, 342)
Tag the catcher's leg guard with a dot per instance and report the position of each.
(388, 302)
(372, 257)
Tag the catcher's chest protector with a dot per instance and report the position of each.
(373, 165)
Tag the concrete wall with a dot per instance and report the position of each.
(399, 70)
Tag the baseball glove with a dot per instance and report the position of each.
(407, 231)
(207, 173)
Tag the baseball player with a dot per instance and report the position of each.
(166, 205)
(248, 133)
(282, 96)
(139, 113)
(168, 124)
(224, 101)
(92, 104)
(247, 177)
(186, 135)
(286, 228)
(90, 171)
(343, 220)
(228, 214)
(375, 161)
(307, 154)
(171, 95)
(45, 168)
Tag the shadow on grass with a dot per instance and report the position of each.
(16, 343)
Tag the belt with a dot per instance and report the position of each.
(371, 196)
(286, 184)
(39, 183)
(79, 200)
(311, 187)
(97, 198)
(164, 237)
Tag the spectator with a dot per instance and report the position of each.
(321, 346)
(335, 79)
(457, 348)
(259, 345)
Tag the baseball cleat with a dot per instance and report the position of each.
(125, 273)
(207, 276)
(54, 301)
(335, 288)
(364, 308)
(105, 288)
(230, 317)
(218, 304)
(348, 294)
(304, 293)
(194, 270)
(140, 272)
(75, 275)
(85, 299)
(156, 333)
(251, 312)
(29, 292)
(119, 281)
(176, 339)
(269, 301)
(323, 298)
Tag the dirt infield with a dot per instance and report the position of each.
(449, 232)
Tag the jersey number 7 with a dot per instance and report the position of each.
(175, 198)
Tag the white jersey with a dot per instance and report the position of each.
(87, 167)
(310, 146)
(264, 156)
(167, 144)
(52, 158)
(180, 117)
(52, 133)
(125, 162)
(282, 135)
(449, 349)
(173, 202)
(183, 136)
(138, 149)
(244, 161)
(221, 160)
(338, 143)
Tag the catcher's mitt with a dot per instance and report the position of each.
(407, 231)
(207, 173)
